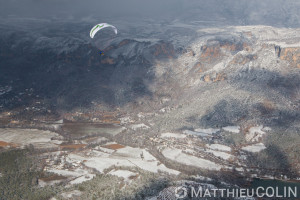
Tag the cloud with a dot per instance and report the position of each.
(46, 8)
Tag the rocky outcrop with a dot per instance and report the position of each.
(290, 54)
(215, 51)
(243, 59)
(164, 50)
(214, 77)
(218, 49)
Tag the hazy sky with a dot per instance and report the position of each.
(272, 12)
(37, 8)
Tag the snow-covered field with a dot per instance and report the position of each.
(232, 129)
(208, 130)
(172, 135)
(219, 147)
(128, 156)
(23, 137)
(254, 148)
(84, 162)
(223, 155)
(201, 134)
(83, 178)
(76, 176)
(178, 156)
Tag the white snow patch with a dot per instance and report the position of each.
(140, 115)
(178, 156)
(254, 134)
(166, 109)
(125, 174)
(151, 198)
(74, 158)
(68, 173)
(105, 150)
(219, 147)
(257, 129)
(61, 121)
(173, 135)
(239, 169)
(223, 155)
(95, 140)
(232, 129)
(284, 44)
(267, 129)
(208, 130)
(64, 172)
(71, 195)
(202, 178)
(139, 126)
(190, 151)
(135, 153)
(126, 120)
(82, 179)
(189, 132)
(42, 183)
(254, 148)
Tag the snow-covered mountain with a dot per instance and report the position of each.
(62, 65)
(215, 102)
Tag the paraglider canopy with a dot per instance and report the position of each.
(101, 53)
(101, 26)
